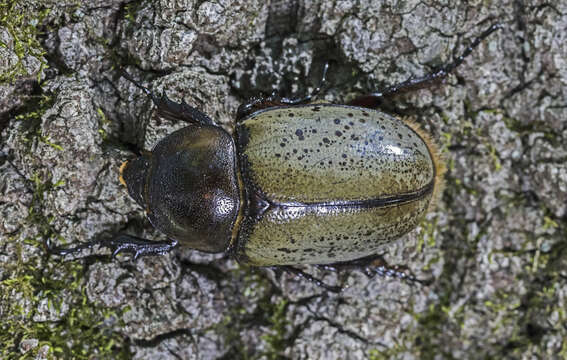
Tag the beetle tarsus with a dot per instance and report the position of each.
(297, 272)
(263, 102)
(373, 100)
(393, 272)
(315, 92)
(61, 251)
(376, 265)
(121, 243)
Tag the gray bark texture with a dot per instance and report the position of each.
(495, 246)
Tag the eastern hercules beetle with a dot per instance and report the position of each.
(297, 182)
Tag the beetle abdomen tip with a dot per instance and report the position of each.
(438, 161)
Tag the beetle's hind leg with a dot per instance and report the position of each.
(120, 244)
(297, 272)
(374, 100)
(376, 265)
(264, 102)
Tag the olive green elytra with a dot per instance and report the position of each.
(340, 182)
(295, 183)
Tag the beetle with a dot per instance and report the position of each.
(296, 183)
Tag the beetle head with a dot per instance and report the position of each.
(133, 175)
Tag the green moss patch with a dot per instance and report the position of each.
(22, 19)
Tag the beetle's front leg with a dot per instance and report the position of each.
(264, 102)
(170, 109)
(374, 100)
(119, 244)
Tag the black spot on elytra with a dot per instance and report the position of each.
(350, 114)
(291, 114)
(299, 134)
(316, 108)
(337, 121)
(338, 133)
(326, 141)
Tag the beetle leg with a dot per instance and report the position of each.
(264, 102)
(170, 109)
(315, 92)
(374, 99)
(376, 265)
(297, 272)
(381, 268)
(138, 246)
(121, 243)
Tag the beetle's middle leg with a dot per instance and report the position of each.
(121, 243)
(374, 100)
(259, 103)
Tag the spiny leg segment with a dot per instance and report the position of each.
(373, 100)
(120, 244)
(259, 103)
(169, 109)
